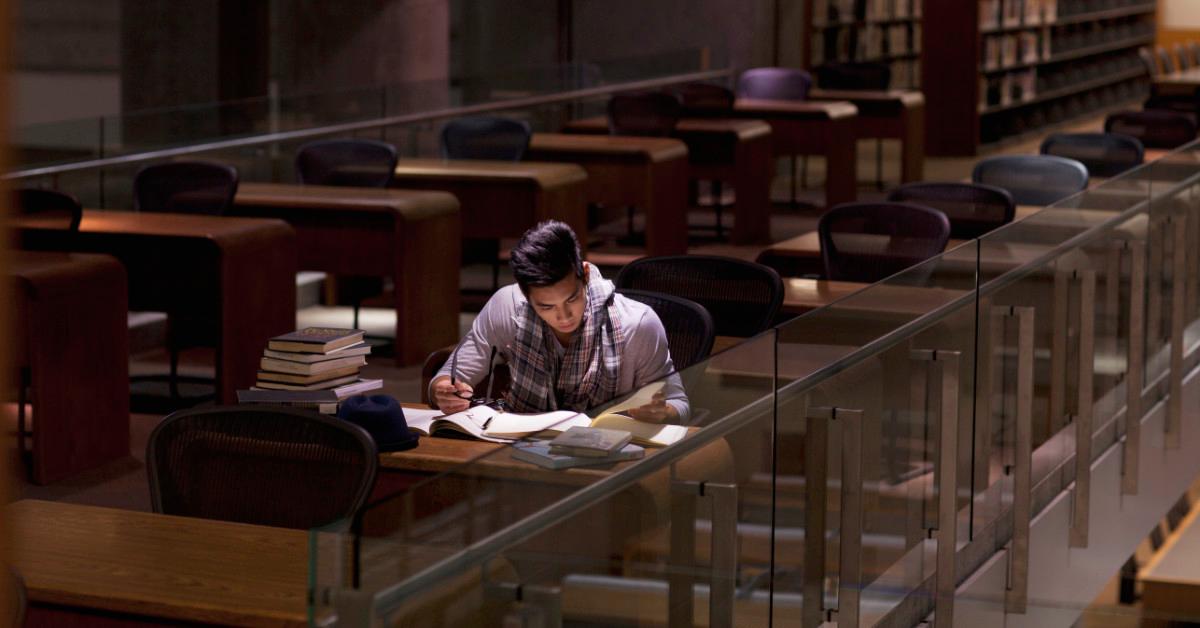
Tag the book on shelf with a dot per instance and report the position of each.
(315, 340)
(315, 378)
(540, 454)
(342, 387)
(989, 14)
(1010, 14)
(1033, 12)
(594, 442)
(277, 365)
(360, 348)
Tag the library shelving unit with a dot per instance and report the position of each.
(1037, 64)
(884, 31)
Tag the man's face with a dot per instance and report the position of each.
(560, 304)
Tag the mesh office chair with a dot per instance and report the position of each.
(497, 382)
(1032, 179)
(858, 76)
(263, 465)
(185, 187)
(349, 163)
(1104, 154)
(346, 162)
(868, 242)
(742, 297)
(689, 327)
(1155, 128)
(777, 84)
(972, 208)
(647, 113)
(486, 137)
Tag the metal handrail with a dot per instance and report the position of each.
(349, 127)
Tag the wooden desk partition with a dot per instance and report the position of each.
(727, 150)
(501, 199)
(70, 333)
(649, 173)
(232, 279)
(895, 114)
(413, 237)
(824, 128)
(89, 566)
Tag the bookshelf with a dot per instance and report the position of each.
(885, 31)
(1039, 63)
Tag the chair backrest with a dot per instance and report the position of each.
(646, 113)
(1154, 128)
(346, 163)
(704, 99)
(50, 207)
(864, 75)
(689, 327)
(1104, 154)
(742, 297)
(1148, 60)
(1164, 60)
(1032, 179)
(973, 208)
(264, 465)
(486, 137)
(185, 187)
(1183, 58)
(774, 84)
(434, 362)
(868, 242)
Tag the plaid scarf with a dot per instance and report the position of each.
(590, 368)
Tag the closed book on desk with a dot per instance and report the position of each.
(314, 368)
(315, 340)
(291, 378)
(361, 348)
(594, 442)
(342, 387)
(539, 453)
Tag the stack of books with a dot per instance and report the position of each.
(315, 359)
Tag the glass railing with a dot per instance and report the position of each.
(992, 432)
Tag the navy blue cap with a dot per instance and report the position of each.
(382, 417)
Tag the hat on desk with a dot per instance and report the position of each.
(382, 417)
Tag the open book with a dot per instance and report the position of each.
(485, 423)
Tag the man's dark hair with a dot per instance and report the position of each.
(545, 255)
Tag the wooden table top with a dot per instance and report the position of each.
(904, 97)
(543, 174)
(217, 228)
(1189, 77)
(407, 202)
(195, 570)
(652, 149)
(743, 129)
(803, 295)
(796, 109)
(37, 265)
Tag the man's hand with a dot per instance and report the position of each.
(444, 395)
(657, 411)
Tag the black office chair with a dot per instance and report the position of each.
(705, 100)
(1153, 128)
(868, 242)
(689, 327)
(653, 114)
(1033, 179)
(349, 163)
(486, 137)
(50, 208)
(1104, 154)
(861, 76)
(346, 163)
(185, 187)
(973, 208)
(777, 84)
(742, 297)
(264, 465)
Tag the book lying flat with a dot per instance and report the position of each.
(360, 348)
(594, 442)
(344, 387)
(311, 368)
(315, 340)
(539, 453)
(475, 422)
(291, 378)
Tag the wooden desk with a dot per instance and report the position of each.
(645, 172)
(727, 150)
(411, 236)
(897, 114)
(70, 332)
(233, 279)
(813, 128)
(84, 564)
(805, 295)
(501, 199)
(1182, 83)
(1171, 581)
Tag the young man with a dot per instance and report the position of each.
(569, 340)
